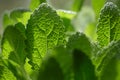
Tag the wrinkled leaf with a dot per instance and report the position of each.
(44, 31)
(108, 28)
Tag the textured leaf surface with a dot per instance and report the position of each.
(45, 30)
(108, 28)
(35, 3)
(117, 2)
(107, 62)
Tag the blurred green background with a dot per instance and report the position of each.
(8, 5)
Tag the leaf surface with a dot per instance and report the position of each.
(81, 42)
(107, 62)
(13, 50)
(108, 28)
(81, 50)
(83, 67)
(51, 69)
(67, 17)
(15, 16)
(44, 31)
(5, 73)
(20, 15)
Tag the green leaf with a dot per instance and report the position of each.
(57, 65)
(67, 17)
(83, 67)
(15, 16)
(20, 15)
(81, 42)
(51, 69)
(77, 4)
(81, 49)
(15, 39)
(65, 60)
(7, 20)
(108, 26)
(74, 64)
(44, 31)
(97, 5)
(107, 62)
(5, 73)
(35, 3)
(13, 50)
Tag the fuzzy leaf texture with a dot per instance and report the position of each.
(44, 31)
(108, 62)
(108, 28)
